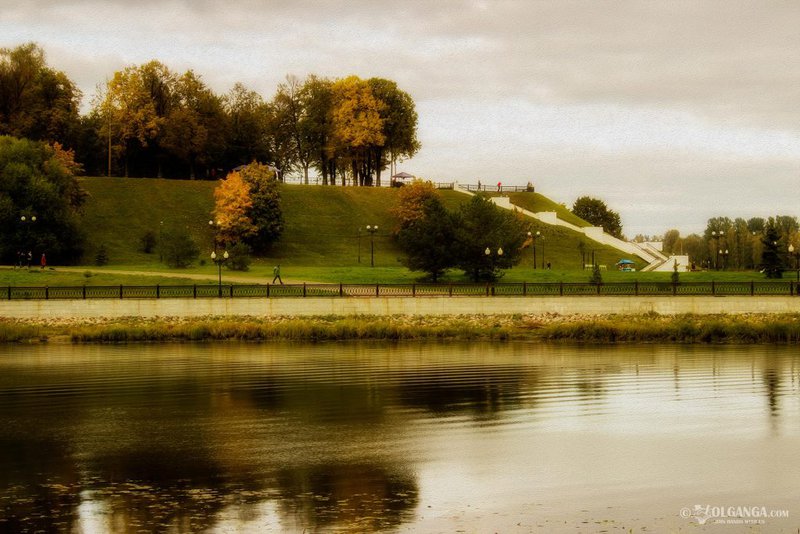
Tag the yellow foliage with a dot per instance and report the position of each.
(231, 208)
(357, 118)
(411, 199)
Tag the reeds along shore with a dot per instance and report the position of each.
(650, 328)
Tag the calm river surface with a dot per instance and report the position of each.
(409, 438)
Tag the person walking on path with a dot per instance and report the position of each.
(276, 271)
(44, 261)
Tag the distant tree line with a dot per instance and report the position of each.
(147, 120)
(738, 244)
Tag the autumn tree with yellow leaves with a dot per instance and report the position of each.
(232, 204)
(247, 207)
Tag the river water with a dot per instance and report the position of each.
(361, 437)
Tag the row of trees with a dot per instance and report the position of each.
(150, 121)
(738, 244)
(479, 238)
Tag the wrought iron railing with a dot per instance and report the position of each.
(521, 289)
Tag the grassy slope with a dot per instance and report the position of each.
(322, 226)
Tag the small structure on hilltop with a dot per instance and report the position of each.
(398, 180)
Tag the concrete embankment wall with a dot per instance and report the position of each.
(44, 309)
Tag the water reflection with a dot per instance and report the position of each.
(363, 437)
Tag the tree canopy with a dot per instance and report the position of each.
(148, 120)
(596, 212)
(40, 199)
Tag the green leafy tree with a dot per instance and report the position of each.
(399, 125)
(771, 262)
(429, 240)
(148, 242)
(177, 247)
(38, 180)
(597, 277)
(248, 118)
(265, 211)
(239, 257)
(196, 125)
(133, 107)
(316, 126)
(37, 102)
(596, 212)
(483, 227)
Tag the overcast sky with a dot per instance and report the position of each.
(671, 112)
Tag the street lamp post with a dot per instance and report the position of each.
(219, 262)
(488, 253)
(26, 222)
(533, 237)
(214, 225)
(372, 230)
(724, 254)
(716, 236)
(796, 256)
(359, 244)
(542, 238)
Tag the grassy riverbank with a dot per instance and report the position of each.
(652, 328)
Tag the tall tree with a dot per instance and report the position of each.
(248, 118)
(399, 125)
(134, 107)
(429, 240)
(489, 239)
(265, 211)
(411, 201)
(358, 126)
(316, 126)
(195, 128)
(37, 102)
(232, 210)
(38, 180)
(596, 212)
(290, 105)
(771, 261)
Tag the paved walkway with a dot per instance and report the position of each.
(191, 276)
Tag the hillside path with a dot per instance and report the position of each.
(192, 276)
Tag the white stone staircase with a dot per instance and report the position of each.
(645, 251)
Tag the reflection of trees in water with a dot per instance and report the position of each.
(772, 383)
(36, 500)
(316, 401)
(363, 498)
(482, 391)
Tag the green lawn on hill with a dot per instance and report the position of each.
(325, 229)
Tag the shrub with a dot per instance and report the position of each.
(102, 256)
(177, 248)
(239, 257)
(148, 242)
